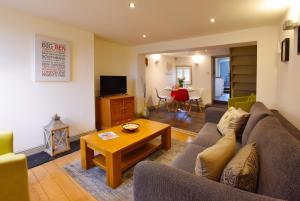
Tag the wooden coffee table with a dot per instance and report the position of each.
(119, 154)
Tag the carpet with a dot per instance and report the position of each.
(94, 179)
(42, 157)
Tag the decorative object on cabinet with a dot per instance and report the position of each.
(56, 135)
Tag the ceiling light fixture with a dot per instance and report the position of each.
(132, 5)
(212, 20)
(144, 36)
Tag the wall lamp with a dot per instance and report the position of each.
(156, 58)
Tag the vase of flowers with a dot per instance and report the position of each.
(181, 82)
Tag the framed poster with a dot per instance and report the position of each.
(285, 50)
(52, 59)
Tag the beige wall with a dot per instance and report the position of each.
(267, 41)
(114, 59)
(288, 90)
(26, 106)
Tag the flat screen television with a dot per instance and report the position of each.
(110, 85)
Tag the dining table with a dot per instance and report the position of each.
(173, 92)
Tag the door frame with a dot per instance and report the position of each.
(213, 73)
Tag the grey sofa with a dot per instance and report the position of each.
(279, 158)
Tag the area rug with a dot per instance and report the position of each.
(94, 179)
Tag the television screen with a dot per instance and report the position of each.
(110, 85)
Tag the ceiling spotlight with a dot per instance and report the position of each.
(212, 20)
(132, 5)
(144, 36)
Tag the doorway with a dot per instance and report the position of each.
(221, 79)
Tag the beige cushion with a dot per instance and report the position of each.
(211, 162)
(241, 172)
(233, 119)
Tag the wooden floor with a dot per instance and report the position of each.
(50, 182)
(192, 122)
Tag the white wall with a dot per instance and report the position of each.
(288, 90)
(201, 73)
(114, 59)
(266, 38)
(26, 106)
(159, 75)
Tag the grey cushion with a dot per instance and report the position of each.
(290, 127)
(258, 111)
(214, 114)
(186, 160)
(279, 160)
(208, 135)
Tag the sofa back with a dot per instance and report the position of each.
(279, 159)
(258, 111)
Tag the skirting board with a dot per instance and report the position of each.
(184, 131)
(41, 148)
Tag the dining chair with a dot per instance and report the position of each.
(181, 97)
(197, 99)
(160, 99)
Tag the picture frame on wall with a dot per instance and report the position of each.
(52, 62)
(285, 50)
(299, 40)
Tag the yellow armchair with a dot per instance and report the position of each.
(13, 171)
(243, 102)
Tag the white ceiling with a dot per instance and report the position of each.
(159, 19)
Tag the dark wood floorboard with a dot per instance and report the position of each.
(193, 121)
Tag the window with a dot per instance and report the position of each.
(184, 72)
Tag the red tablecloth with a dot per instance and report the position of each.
(181, 95)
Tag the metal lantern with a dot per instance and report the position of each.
(56, 135)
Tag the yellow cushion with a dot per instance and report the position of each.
(233, 119)
(241, 172)
(211, 162)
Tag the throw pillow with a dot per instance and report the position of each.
(211, 161)
(233, 119)
(241, 172)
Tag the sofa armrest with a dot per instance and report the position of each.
(154, 181)
(214, 114)
(6, 142)
(14, 177)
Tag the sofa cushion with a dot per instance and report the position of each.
(211, 161)
(233, 119)
(279, 160)
(286, 124)
(241, 172)
(208, 135)
(187, 158)
(258, 111)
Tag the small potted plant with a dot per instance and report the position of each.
(181, 82)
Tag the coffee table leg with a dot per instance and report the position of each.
(113, 169)
(87, 155)
(166, 139)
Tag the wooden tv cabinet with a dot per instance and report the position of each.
(114, 110)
